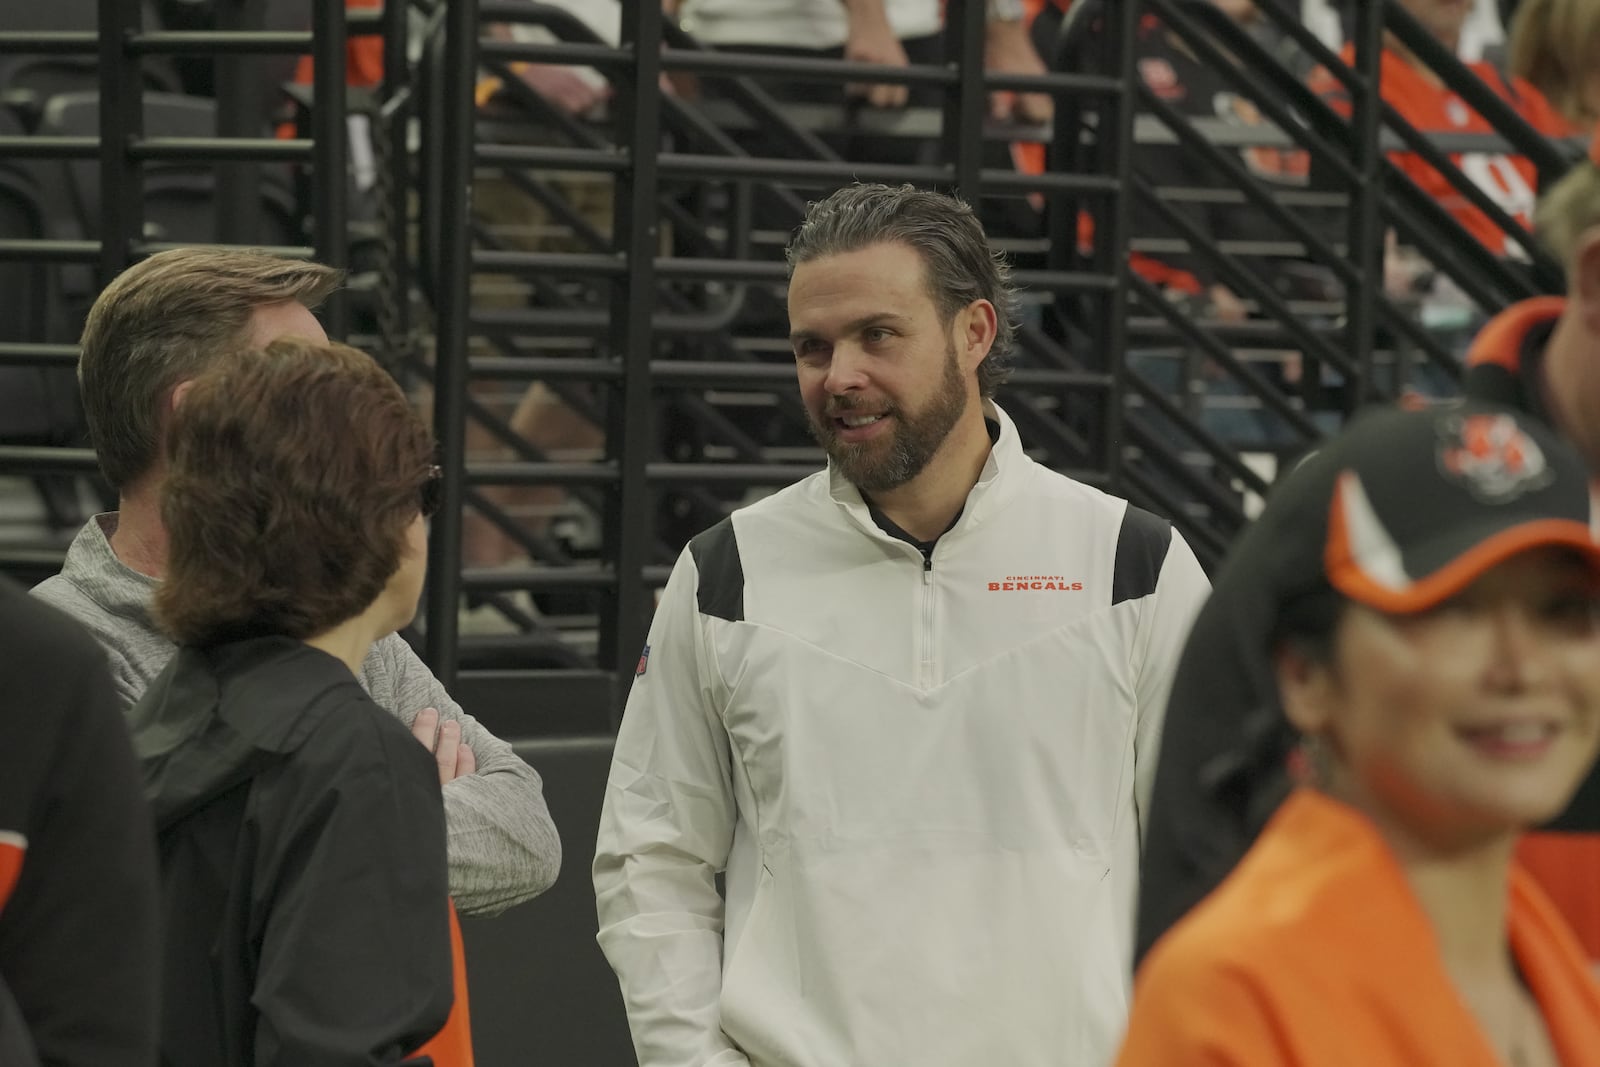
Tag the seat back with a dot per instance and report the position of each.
(37, 406)
(179, 197)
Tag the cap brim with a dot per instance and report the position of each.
(1349, 577)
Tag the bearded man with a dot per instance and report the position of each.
(907, 707)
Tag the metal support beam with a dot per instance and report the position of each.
(330, 181)
(453, 300)
(636, 235)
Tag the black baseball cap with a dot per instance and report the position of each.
(1420, 503)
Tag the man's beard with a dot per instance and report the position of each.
(878, 466)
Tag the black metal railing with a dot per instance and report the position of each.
(660, 327)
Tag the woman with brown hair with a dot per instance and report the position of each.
(300, 826)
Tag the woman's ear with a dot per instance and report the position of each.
(1306, 688)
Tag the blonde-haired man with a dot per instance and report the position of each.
(152, 330)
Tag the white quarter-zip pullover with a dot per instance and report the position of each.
(923, 779)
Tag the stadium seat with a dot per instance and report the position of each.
(179, 197)
(38, 406)
(28, 81)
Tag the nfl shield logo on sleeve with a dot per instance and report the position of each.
(644, 661)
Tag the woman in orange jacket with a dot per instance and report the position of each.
(1436, 645)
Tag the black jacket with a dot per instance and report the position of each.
(302, 848)
(77, 863)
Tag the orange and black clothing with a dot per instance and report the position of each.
(1510, 180)
(78, 936)
(301, 836)
(1316, 953)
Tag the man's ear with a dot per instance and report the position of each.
(1585, 281)
(977, 327)
(179, 391)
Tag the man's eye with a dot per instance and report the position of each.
(876, 334)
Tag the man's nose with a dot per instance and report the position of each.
(846, 370)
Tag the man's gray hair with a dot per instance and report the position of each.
(959, 263)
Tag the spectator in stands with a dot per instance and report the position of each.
(1200, 92)
(906, 705)
(306, 917)
(1429, 611)
(154, 328)
(891, 32)
(1421, 97)
(514, 219)
(78, 937)
(1555, 46)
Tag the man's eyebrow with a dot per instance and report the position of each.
(877, 318)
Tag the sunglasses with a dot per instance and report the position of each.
(431, 493)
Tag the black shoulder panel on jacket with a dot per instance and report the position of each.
(716, 557)
(1141, 549)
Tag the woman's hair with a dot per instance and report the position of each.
(1555, 45)
(293, 474)
(1308, 622)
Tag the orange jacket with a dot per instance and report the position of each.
(1316, 953)
(1510, 180)
(452, 1046)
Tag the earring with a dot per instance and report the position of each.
(1311, 763)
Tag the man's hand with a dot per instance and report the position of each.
(872, 41)
(562, 87)
(455, 759)
(1007, 49)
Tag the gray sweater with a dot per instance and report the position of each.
(503, 846)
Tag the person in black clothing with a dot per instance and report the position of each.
(300, 826)
(77, 864)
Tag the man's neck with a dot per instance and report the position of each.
(926, 506)
(140, 539)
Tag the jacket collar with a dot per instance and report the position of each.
(93, 567)
(217, 715)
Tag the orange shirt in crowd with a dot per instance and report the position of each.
(363, 56)
(1510, 180)
(1316, 953)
